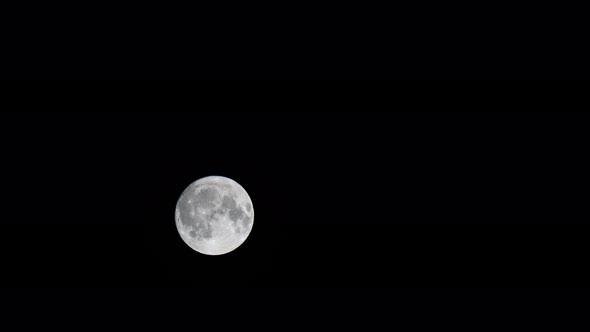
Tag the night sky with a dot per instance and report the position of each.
(359, 197)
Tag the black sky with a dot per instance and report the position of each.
(396, 191)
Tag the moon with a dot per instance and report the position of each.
(214, 215)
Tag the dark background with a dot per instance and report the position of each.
(363, 195)
(288, 40)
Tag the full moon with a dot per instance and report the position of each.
(214, 215)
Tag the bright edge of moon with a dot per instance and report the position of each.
(214, 215)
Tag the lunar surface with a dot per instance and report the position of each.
(214, 215)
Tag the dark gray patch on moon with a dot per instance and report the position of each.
(235, 215)
(228, 202)
(206, 231)
(202, 229)
(205, 198)
(248, 207)
(235, 212)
